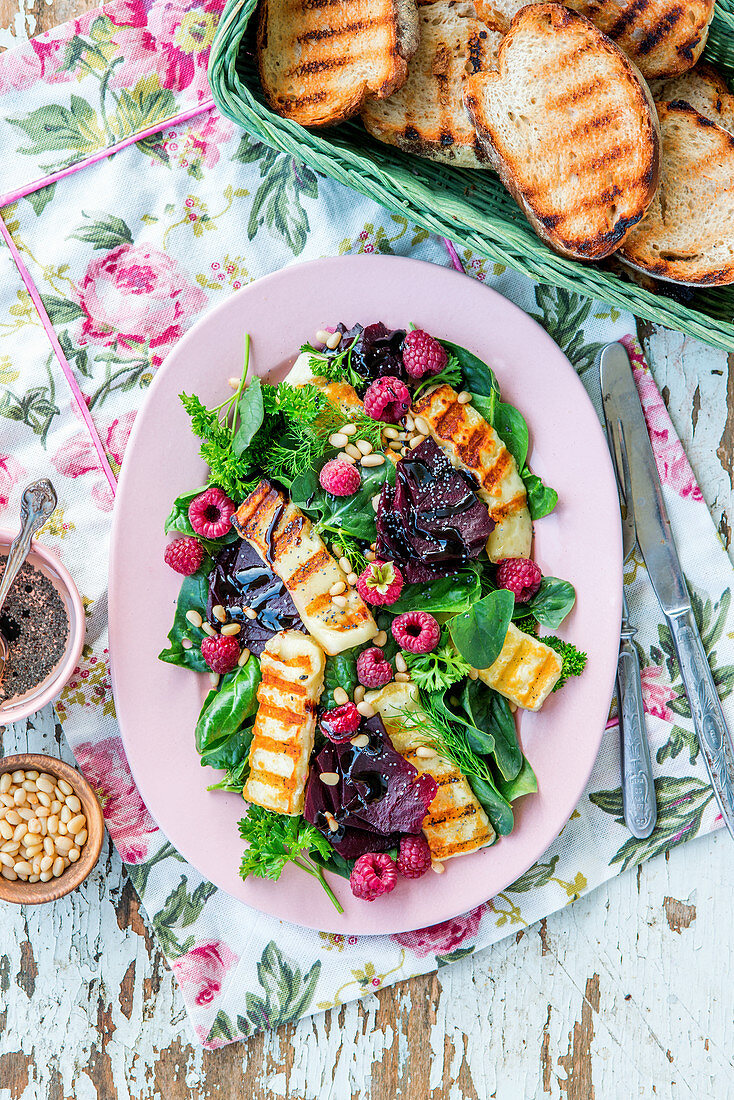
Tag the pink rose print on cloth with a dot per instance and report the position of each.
(105, 765)
(11, 472)
(673, 466)
(442, 938)
(175, 43)
(78, 456)
(43, 57)
(201, 971)
(196, 144)
(655, 694)
(135, 294)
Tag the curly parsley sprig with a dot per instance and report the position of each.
(438, 670)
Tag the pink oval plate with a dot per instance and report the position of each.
(157, 703)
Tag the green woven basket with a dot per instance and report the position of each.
(471, 208)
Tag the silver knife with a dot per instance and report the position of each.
(661, 559)
(638, 784)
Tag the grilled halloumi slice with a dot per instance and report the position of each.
(292, 669)
(455, 823)
(526, 670)
(472, 444)
(287, 541)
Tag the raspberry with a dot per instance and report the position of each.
(184, 555)
(380, 583)
(341, 723)
(521, 576)
(414, 858)
(220, 652)
(339, 477)
(387, 399)
(416, 631)
(373, 874)
(422, 354)
(210, 513)
(373, 668)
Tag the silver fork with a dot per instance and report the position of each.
(638, 785)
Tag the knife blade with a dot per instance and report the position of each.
(655, 539)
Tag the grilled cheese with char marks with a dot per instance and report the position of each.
(287, 541)
(526, 670)
(292, 669)
(472, 444)
(455, 824)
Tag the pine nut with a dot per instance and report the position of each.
(340, 696)
(373, 460)
(416, 441)
(366, 709)
(186, 643)
(249, 613)
(473, 674)
(13, 817)
(48, 846)
(438, 868)
(74, 854)
(244, 657)
(195, 619)
(352, 450)
(231, 629)
(44, 799)
(333, 340)
(42, 812)
(34, 878)
(65, 787)
(391, 433)
(6, 859)
(359, 693)
(352, 578)
(7, 799)
(5, 780)
(233, 383)
(81, 838)
(34, 826)
(20, 831)
(63, 844)
(329, 778)
(370, 555)
(375, 502)
(77, 824)
(364, 446)
(402, 677)
(322, 336)
(464, 397)
(55, 806)
(214, 679)
(347, 458)
(20, 796)
(23, 868)
(11, 846)
(46, 876)
(58, 867)
(219, 613)
(47, 863)
(348, 429)
(18, 777)
(421, 426)
(512, 706)
(6, 831)
(29, 785)
(337, 589)
(340, 601)
(8, 873)
(208, 629)
(361, 740)
(331, 822)
(339, 440)
(33, 799)
(25, 813)
(32, 775)
(409, 422)
(425, 752)
(62, 828)
(380, 639)
(345, 564)
(65, 815)
(400, 663)
(52, 824)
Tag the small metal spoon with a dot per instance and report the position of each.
(37, 504)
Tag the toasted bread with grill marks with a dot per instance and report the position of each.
(571, 128)
(687, 235)
(427, 115)
(319, 59)
(704, 89)
(662, 37)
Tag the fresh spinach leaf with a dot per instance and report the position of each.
(193, 596)
(232, 757)
(227, 706)
(478, 377)
(455, 593)
(512, 428)
(541, 499)
(523, 783)
(479, 633)
(551, 603)
(496, 807)
(486, 406)
(251, 412)
(353, 515)
(479, 740)
(490, 712)
(340, 671)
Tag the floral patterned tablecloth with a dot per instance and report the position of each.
(129, 207)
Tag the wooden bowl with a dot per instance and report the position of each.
(34, 893)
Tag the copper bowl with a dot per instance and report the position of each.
(34, 893)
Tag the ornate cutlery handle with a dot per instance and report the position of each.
(638, 785)
(708, 718)
(37, 504)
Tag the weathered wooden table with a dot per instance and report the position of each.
(625, 993)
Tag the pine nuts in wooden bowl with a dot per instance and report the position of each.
(51, 829)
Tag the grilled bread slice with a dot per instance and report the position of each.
(455, 823)
(662, 37)
(704, 89)
(472, 444)
(687, 235)
(526, 670)
(427, 115)
(292, 668)
(319, 59)
(571, 128)
(286, 540)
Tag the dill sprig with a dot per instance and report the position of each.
(436, 732)
(346, 546)
(438, 670)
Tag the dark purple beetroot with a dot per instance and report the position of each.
(376, 350)
(242, 579)
(379, 797)
(432, 521)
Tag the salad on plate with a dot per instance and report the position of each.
(358, 583)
